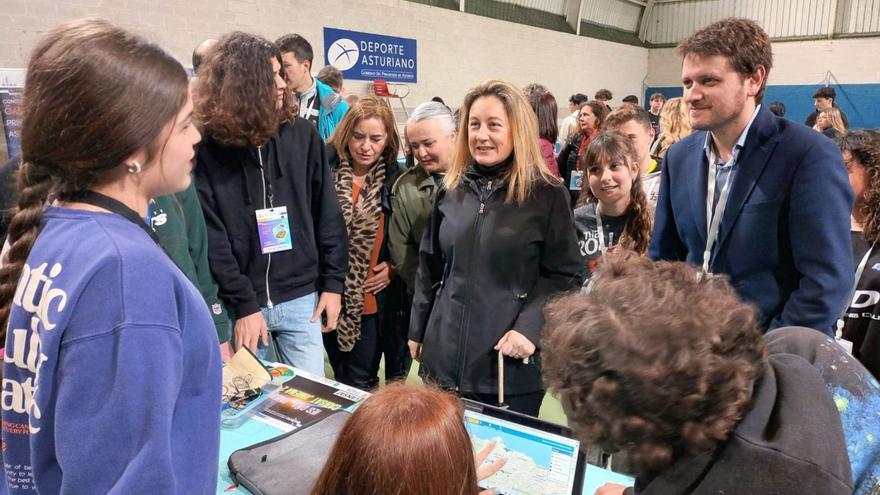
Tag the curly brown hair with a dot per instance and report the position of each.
(654, 361)
(600, 111)
(613, 147)
(234, 97)
(864, 146)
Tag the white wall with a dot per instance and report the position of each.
(455, 50)
(851, 61)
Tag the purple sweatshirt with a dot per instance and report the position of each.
(111, 378)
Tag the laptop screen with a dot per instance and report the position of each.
(538, 462)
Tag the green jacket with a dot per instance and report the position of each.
(180, 224)
(412, 198)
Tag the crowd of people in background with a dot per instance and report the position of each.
(702, 252)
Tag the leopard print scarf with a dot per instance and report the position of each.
(362, 224)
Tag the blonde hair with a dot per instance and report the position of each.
(836, 120)
(674, 123)
(528, 166)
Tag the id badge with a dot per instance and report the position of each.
(274, 230)
(577, 179)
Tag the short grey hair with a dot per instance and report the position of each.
(432, 110)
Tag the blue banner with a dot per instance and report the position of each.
(368, 56)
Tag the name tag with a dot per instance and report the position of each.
(577, 180)
(274, 230)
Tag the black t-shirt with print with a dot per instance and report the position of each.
(655, 122)
(588, 233)
(861, 323)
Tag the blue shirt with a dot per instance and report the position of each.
(112, 366)
(724, 170)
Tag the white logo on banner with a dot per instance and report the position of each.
(343, 54)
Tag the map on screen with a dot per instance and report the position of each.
(537, 462)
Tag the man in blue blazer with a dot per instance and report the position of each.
(760, 199)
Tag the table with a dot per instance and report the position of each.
(258, 429)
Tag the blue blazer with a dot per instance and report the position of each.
(784, 239)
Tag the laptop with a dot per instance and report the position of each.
(542, 458)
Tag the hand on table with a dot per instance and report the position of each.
(610, 489)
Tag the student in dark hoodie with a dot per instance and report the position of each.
(276, 238)
(670, 368)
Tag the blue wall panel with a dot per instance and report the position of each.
(860, 102)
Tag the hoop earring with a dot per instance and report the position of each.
(134, 168)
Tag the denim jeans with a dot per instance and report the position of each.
(295, 340)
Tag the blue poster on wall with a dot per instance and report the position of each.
(368, 56)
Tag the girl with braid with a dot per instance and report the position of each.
(112, 365)
(613, 209)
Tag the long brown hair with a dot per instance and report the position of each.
(403, 440)
(234, 97)
(546, 110)
(94, 95)
(528, 165)
(367, 107)
(613, 147)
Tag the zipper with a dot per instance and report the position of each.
(462, 334)
(263, 183)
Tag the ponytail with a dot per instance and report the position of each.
(639, 222)
(34, 185)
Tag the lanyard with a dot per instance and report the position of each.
(713, 221)
(601, 231)
(106, 202)
(310, 111)
(267, 179)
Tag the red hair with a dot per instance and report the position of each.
(402, 440)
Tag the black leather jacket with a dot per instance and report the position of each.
(486, 267)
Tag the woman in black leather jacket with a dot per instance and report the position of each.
(499, 242)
